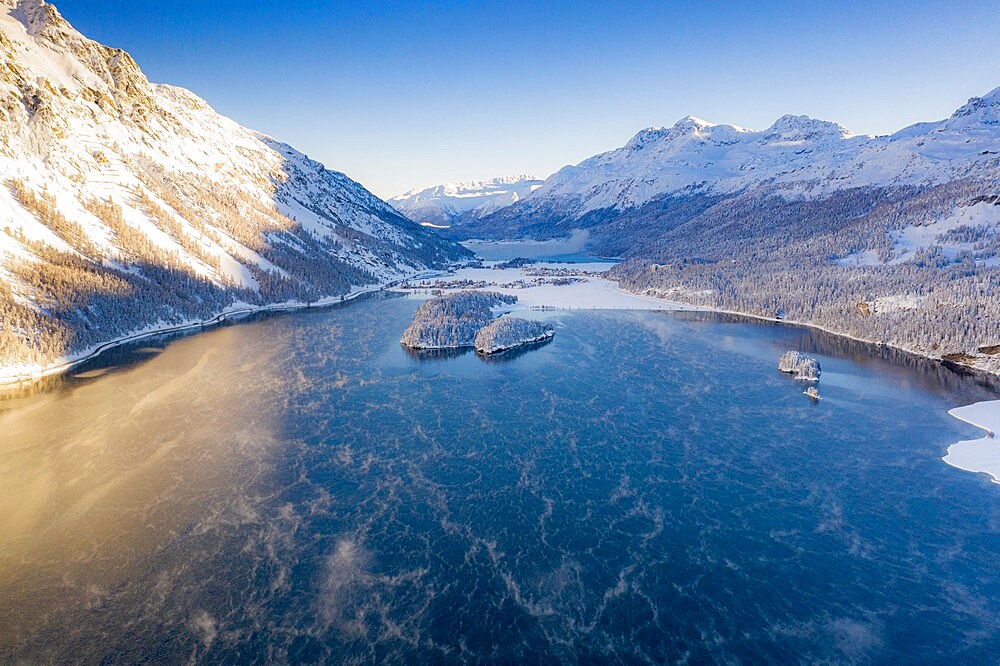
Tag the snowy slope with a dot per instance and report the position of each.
(454, 203)
(800, 156)
(127, 204)
(891, 239)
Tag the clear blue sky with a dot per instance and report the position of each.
(399, 95)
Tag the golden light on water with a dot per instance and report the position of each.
(96, 479)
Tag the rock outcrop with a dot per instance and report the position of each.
(510, 332)
(802, 366)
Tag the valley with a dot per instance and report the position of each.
(717, 395)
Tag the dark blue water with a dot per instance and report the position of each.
(646, 488)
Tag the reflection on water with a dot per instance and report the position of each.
(435, 354)
(513, 354)
(645, 487)
(445, 354)
(96, 479)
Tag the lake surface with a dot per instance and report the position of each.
(572, 249)
(646, 487)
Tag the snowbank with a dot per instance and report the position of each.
(978, 455)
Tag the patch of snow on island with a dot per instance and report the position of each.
(509, 332)
(802, 366)
(983, 454)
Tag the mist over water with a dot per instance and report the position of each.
(647, 487)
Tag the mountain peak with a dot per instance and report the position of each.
(37, 16)
(468, 187)
(687, 128)
(803, 128)
(451, 203)
(986, 108)
(645, 137)
(501, 180)
(112, 181)
(691, 122)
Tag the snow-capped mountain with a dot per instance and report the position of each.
(893, 239)
(798, 157)
(456, 203)
(128, 205)
(698, 155)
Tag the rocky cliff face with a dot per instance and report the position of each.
(126, 205)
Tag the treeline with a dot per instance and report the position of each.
(65, 303)
(766, 255)
(120, 280)
(43, 206)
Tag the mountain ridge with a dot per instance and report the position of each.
(130, 205)
(458, 203)
(795, 151)
(891, 239)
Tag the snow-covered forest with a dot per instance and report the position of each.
(838, 263)
(128, 206)
(453, 320)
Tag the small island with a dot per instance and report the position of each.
(453, 320)
(509, 332)
(802, 366)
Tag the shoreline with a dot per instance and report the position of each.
(548, 335)
(975, 455)
(982, 455)
(979, 456)
(691, 307)
(241, 310)
(68, 363)
(23, 377)
(819, 327)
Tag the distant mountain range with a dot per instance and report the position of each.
(893, 239)
(796, 158)
(459, 203)
(129, 206)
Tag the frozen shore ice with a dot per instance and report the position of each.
(983, 454)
